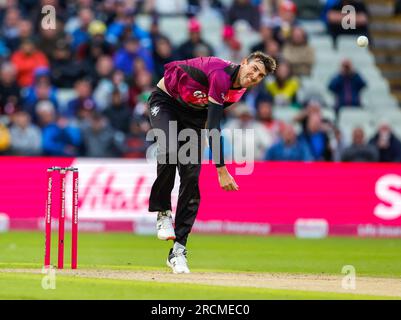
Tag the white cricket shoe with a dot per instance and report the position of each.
(177, 261)
(165, 229)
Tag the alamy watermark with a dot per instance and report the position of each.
(49, 21)
(349, 20)
(49, 278)
(187, 146)
(349, 280)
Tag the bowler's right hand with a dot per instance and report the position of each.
(226, 181)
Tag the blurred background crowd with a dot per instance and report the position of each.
(81, 89)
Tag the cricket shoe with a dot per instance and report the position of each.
(177, 261)
(165, 229)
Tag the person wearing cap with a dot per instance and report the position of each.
(281, 23)
(193, 94)
(187, 49)
(96, 46)
(231, 48)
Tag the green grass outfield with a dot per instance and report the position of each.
(370, 257)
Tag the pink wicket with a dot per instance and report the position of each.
(74, 220)
(61, 218)
(48, 217)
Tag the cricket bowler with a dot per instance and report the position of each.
(193, 94)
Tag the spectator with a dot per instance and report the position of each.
(140, 85)
(26, 138)
(284, 86)
(260, 139)
(65, 70)
(90, 51)
(316, 139)
(284, 22)
(244, 10)
(36, 16)
(335, 17)
(124, 23)
(187, 49)
(103, 69)
(231, 48)
(298, 53)
(288, 15)
(347, 86)
(124, 58)
(84, 104)
(118, 114)
(337, 144)
(359, 151)
(5, 139)
(81, 35)
(266, 117)
(272, 48)
(154, 30)
(10, 28)
(311, 107)
(10, 96)
(163, 53)
(266, 34)
(59, 138)
(25, 30)
(136, 144)
(101, 140)
(289, 148)
(26, 60)
(48, 38)
(387, 143)
(40, 90)
(105, 88)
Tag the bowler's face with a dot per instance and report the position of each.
(251, 73)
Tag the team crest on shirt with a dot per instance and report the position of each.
(199, 94)
(154, 110)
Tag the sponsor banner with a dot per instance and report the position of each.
(305, 199)
(347, 198)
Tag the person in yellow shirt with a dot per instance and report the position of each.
(5, 138)
(284, 86)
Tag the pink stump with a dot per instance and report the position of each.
(61, 220)
(48, 217)
(74, 226)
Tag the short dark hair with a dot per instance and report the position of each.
(269, 62)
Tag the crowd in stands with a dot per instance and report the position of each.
(99, 52)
